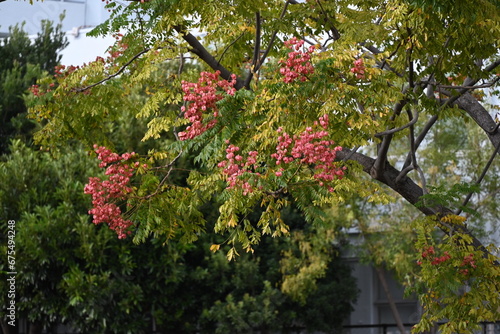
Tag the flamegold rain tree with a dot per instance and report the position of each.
(285, 101)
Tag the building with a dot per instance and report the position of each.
(372, 313)
(80, 16)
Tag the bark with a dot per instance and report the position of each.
(390, 299)
(481, 116)
(198, 49)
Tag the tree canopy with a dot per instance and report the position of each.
(70, 273)
(297, 102)
(22, 62)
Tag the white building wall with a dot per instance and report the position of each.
(83, 49)
(78, 13)
(80, 17)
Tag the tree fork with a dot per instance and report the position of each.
(413, 193)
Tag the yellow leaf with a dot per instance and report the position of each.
(232, 222)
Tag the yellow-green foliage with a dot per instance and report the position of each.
(415, 56)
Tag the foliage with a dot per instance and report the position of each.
(62, 261)
(469, 278)
(71, 272)
(75, 274)
(22, 62)
(383, 74)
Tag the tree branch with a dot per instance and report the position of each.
(379, 164)
(383, 64)
(390, 299)
(273, 36)
(256, 52)
(410, 191)
(181, 64)
(481, 116)
(229, 46)
(470, 83)
(420, 138)
(111, 76)
(335, 32)
(469, 87)
(413, 156)
(391, 131)
(198, 49)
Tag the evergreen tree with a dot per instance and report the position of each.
(22, 62)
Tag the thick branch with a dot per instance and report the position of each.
(406, 187)
(410, 191)
(198, 49)
(465, 101)
(480, 115)
(379, 164)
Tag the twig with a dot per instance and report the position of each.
(410, 62)
(391, 131)
(229, 46)
(486, 85)
(470, 84)
(111, 76)
(273, 37)
(165, 178)
(383, 64)
(420, 138)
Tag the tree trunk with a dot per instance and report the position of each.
(392, 304)
(6, 328)
(35, 328)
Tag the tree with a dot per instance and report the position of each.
(67, 270)
(22, 61)
(300, 102)
(71, 273)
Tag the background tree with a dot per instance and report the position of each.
(22, 62)
(75, 274)
(296, 80)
